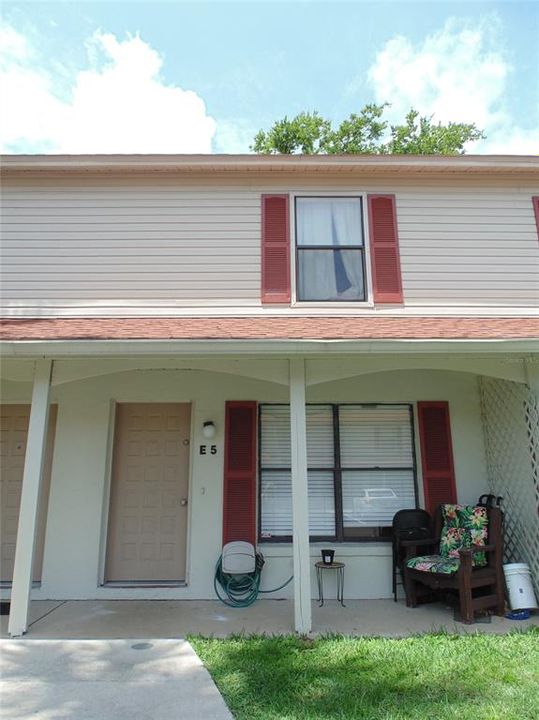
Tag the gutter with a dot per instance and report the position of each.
(13, 165)
(274, 348)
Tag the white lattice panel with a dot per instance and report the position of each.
(511, 428)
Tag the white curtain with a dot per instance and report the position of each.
(314, 221)
(315, 228)
(347, 224)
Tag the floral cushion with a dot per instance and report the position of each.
(474, 520)
(464, 526)
(451, 541)
(435, 564)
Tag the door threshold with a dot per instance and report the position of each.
(144, 584)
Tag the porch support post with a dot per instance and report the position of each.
(300, 498)
(31, 485)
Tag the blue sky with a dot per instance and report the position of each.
(205, 76)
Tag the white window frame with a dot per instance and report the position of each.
(369, 296)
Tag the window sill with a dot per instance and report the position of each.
(143, 584)
(346, 304)
(346, 549)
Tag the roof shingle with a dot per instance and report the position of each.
(270, 328)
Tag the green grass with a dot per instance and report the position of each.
(429, 677)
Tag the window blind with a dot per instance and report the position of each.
(375, 436)
(376, 441)
(276, 486)
(370, 498)
(376, 473)
(276, 504)
(275, 436)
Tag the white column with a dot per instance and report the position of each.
(300, 498)
(31, 485)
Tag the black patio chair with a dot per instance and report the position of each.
(408, 524)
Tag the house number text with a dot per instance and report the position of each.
(203, 450)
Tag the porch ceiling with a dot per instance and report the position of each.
(319, 368)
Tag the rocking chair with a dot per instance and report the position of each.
(469, 543)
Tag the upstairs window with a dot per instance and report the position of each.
(330, 248)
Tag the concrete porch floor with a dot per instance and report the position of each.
(109, 619)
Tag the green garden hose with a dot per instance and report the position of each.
(240, 591)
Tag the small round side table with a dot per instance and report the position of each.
(339, 567)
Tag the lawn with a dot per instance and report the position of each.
(430, 677)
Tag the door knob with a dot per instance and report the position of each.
(183, 502)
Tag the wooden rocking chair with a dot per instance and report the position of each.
(474, 568)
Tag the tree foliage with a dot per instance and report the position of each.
(365, 132)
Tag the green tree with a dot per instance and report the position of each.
(365, 132)
(420, 136)
(307, 133)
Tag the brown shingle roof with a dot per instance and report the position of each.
(275, 328)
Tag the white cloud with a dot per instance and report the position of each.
(14, 45)
(118, 105)
(459, 74)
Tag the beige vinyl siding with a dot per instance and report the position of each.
(134, 246)
(469, 246)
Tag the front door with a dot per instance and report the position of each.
(149, 490)
(14, 420)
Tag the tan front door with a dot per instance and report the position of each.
(149, 490)
(14, 421)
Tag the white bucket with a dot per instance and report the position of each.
(519, 586)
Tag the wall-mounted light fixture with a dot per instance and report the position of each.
(208, 429)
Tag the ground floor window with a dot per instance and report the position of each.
(361, 470)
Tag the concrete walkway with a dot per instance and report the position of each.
(106, 680)
(92, 660)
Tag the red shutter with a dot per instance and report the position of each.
(384, 246)
(239, 497)
(535, 201)
(275, 249)
(436, 454)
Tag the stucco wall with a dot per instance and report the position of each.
(78, 504)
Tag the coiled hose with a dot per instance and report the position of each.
(240, 591)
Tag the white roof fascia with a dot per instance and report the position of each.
(282, 348)
(34, 164)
